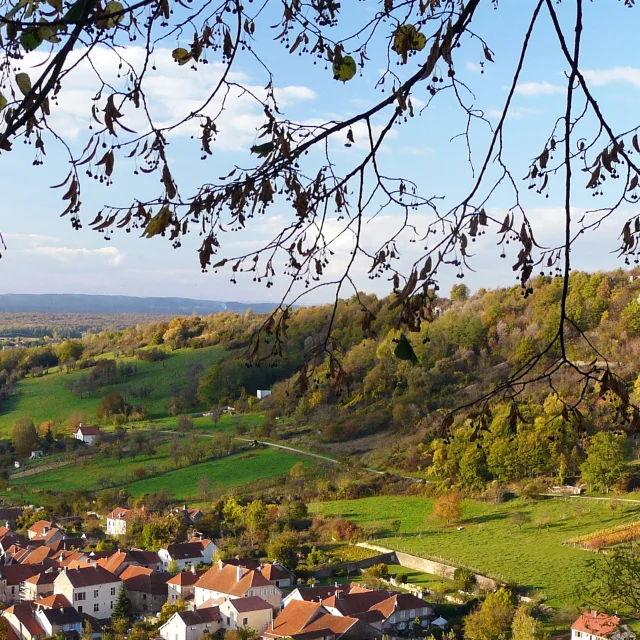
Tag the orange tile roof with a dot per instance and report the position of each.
(24, 612)
(186, 578)
(224, 580)
(597, 624)
(37, 556)
(293, 618)
(115, 562)
(41, 526)
(54, 602)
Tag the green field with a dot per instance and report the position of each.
(489, 542)
(182, 483)
(46, 398)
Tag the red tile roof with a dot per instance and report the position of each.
(24, 612)
(87, 431)
(293, 618)
(120, 513)
(597, 624)
(90, 576)
(186, 578)
(54, 602)
(145, 580)
(252, 603)
(186, 550)
(17, 573)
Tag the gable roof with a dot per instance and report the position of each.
(48, 577)
(145, 557)
(54, 602)
(274, 571)
(350, 604)
(186, 550)
(224, 579)
(294, 617)
(86, 430)
(62, 615)
(310, 594)
(252, 603)
(37, 555)
(145, 580)
(199, 616)
(17, 573)
(597, 624)
(119, 513)
(187, 578)
(41, 527)
(24, 612)
(89, 576)
(116, 561)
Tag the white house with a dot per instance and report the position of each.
(92, 590)
(592, 625)
(45, 531)
(21, 619)
(262, 393)
(252, 612)
(86, 434)
(228, 581)
(62, 620)
(118, 520)
(188, 554)
(190, 625)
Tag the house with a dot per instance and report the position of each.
(61, 620)
(225, 580)
(275, 573)
(38, 586)
(9, 516)
(22, 621)
(262, 393)
(148, 559)
(314, 594)
(86, 434)
(191, 516)
(147, 588)
(12, 576)
(182, 585)
(252, 612)
(301, 620)
(387, 611)
(190, 625)
(45, 531)
(592, 625)
(92, 590)
(118, 519)
(187, 554)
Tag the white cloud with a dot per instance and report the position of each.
(602, 77)
(67, 254)
(474, 67)
(29, 239)
(173, 93)
(532, 89)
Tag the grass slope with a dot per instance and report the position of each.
(46, 398)
(489, 542)
(182, 484)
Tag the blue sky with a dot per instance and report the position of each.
(44, 255)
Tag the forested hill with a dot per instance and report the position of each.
(376, 405)
(80, 303)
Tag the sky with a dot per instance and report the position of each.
(45, 255)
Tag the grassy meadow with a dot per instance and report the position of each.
(490, 542)
(181, 483)
(46, 398)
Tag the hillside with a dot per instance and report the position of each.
(98, 304)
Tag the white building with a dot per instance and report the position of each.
(190, 625)
(262, 393)
(92, 590)
(228, 581)
(188, 554)
(117, 521)
(252, 612)
(86, 434)
(592, 625)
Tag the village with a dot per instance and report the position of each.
(52, 585)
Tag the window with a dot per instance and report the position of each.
(113, 591)
(144, 596)
(96, 607)
(95, 593)
(402, 616)
(112, 604)
(80, 595)
(412, 613)
(245, 622)
(79, 609)
(228, 621)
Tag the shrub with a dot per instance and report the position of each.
(465, 579)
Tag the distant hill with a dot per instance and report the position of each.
(80, 303)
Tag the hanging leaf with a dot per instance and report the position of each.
(158, 223)
(24, 83)
(407, 38)
(30, 40)
(181, 56)
(114, 7)
(404, 350)
(3, 102)
(344, 69)
(262, 150)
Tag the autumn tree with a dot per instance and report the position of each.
(448, 508)
(493, 619)
(526, 627)
(24, 436)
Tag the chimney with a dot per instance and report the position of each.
(184, 507)
(239, 573)
(95, 566)
(220, 563)
(193, 569)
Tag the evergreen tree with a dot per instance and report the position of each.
(122, 610)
